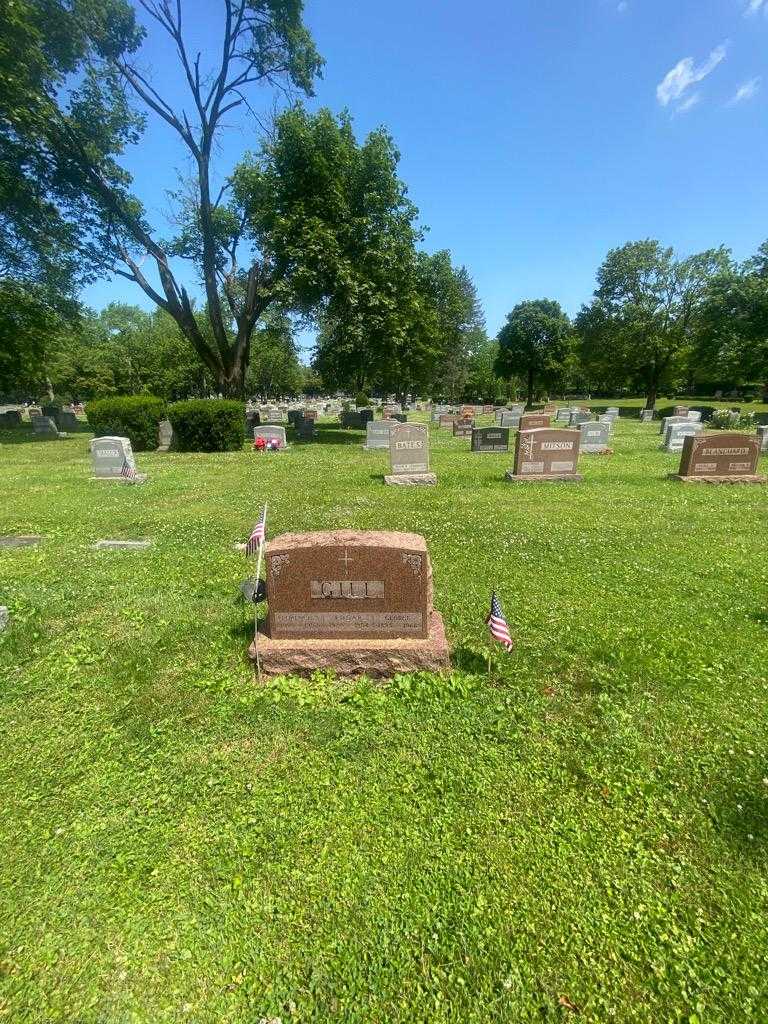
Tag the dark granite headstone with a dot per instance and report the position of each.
(490, 439)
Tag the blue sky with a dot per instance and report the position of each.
(535, 134)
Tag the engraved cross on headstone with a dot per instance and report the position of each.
(346, 560)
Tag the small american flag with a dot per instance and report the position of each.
(258, 534)
(128, 471)
(497, 624)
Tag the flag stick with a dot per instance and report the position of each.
(255, 605)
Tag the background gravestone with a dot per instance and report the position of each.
(547, 454)
(409, 455)
(579, 416)
(720, 458)
(677, 432)
(510, 420)
(490, 439)
(534, 421)
(67, 421)
(446, 420)
(164, 435)
(646, 415)
(377, 434)
(109, 455)
(271, 432)
(595, 437)
(463, 427)
(45, 427)
(762, 436)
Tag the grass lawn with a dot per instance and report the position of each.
(582, 834)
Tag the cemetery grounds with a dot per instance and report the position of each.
(579, 833)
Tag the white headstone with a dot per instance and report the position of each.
(109, 455)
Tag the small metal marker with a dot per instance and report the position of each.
(128, 545)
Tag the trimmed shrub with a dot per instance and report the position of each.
(133, 416)
(207, 425)
(362, 399)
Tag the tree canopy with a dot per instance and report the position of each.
(534, 342)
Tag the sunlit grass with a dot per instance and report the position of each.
(585, 826)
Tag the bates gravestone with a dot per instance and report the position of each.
(409, 455)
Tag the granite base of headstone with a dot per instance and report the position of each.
(720, 459)
(356, 603)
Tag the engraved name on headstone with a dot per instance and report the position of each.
(109, 455)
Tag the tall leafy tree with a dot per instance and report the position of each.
(274, 368)
(733, 336)
(645, 314)
(534, 343)
(70, 117)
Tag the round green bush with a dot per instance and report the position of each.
(207, 425)
(133, 416)
(361, 399)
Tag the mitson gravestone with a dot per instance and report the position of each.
(547, 454)
(352, 601)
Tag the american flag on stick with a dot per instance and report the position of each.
(497, 624)
(128, 471)
(258, 534)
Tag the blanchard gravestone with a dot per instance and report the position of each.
(534, 421)
(676, 434)
(409, 455)
(595, 438)
(352, 601)
(377, 434)
(112, 459)
(720, 458)
(271, 434)
(547, 454)
(490, 439)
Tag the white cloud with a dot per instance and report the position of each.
(755, 6)
(689, 103)
(747, 91)
(685, 74)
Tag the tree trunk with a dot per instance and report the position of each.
(650, 398)
(529, 403)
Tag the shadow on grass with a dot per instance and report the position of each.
(465, 659)
(337, 435)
